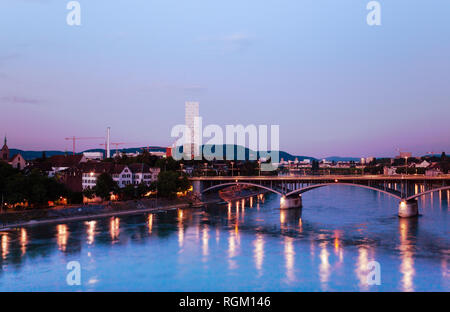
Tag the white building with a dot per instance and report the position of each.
(93, 155)
(191, 113)
(142, 173)
(158, 154)
(390, 170)
(123, 175)
(423, 164)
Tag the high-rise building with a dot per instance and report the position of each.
(191, 112)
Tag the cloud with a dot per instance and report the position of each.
(238, 38)
(10, 56)
(19, 100)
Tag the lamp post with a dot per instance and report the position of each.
(406, 165)
(232, 168)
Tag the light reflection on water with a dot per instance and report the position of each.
(245, 245)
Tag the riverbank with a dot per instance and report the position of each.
(88, 212)
(73, 213)
(230, 194)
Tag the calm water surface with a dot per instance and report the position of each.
(248, 245)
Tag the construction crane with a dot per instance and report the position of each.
(74, 139)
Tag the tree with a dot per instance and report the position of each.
(35, 188)
(445, 163)
(89, 193)
(142, 189)
(168, 163)
(249, 168)
(105, 186)
(128, 192)
(171, 182)
(315, 165)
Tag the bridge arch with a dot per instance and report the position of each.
(311, 187)
(241, 183)
(444, 188)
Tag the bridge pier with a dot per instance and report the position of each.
(290, 202)
(408, 209)
(197, 188)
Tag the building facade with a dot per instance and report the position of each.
(123, 175)
(17, 161)
(191, 113)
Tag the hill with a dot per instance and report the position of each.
(29, 155)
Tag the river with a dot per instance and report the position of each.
(249, 245)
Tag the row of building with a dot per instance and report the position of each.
(79, 173)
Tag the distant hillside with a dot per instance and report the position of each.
(248, 153)
(339, 158)
(29, 155)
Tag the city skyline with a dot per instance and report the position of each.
(334, 85)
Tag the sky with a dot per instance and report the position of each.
(333, 84)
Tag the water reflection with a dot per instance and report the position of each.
(23, 241)
(180, 228)
(291, 219)
(5, 245)
(150, 223)
(324, 267)
(408, 232)
(233, 247)
(205, 241)
(90, 231)
(62, 234)
(284, 246)
(362, 267)
(114, 229)
(289, 255)
(259, 253)
(338, 248)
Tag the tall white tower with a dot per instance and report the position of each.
(191, 112)
(108, 142)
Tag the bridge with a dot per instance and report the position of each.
(405, 188)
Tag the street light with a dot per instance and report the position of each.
(406, 165)
(232, 168)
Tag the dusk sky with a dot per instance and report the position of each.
(335, 85)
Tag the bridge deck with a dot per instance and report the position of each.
(445, 177)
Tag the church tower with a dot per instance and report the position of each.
(4, 153)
